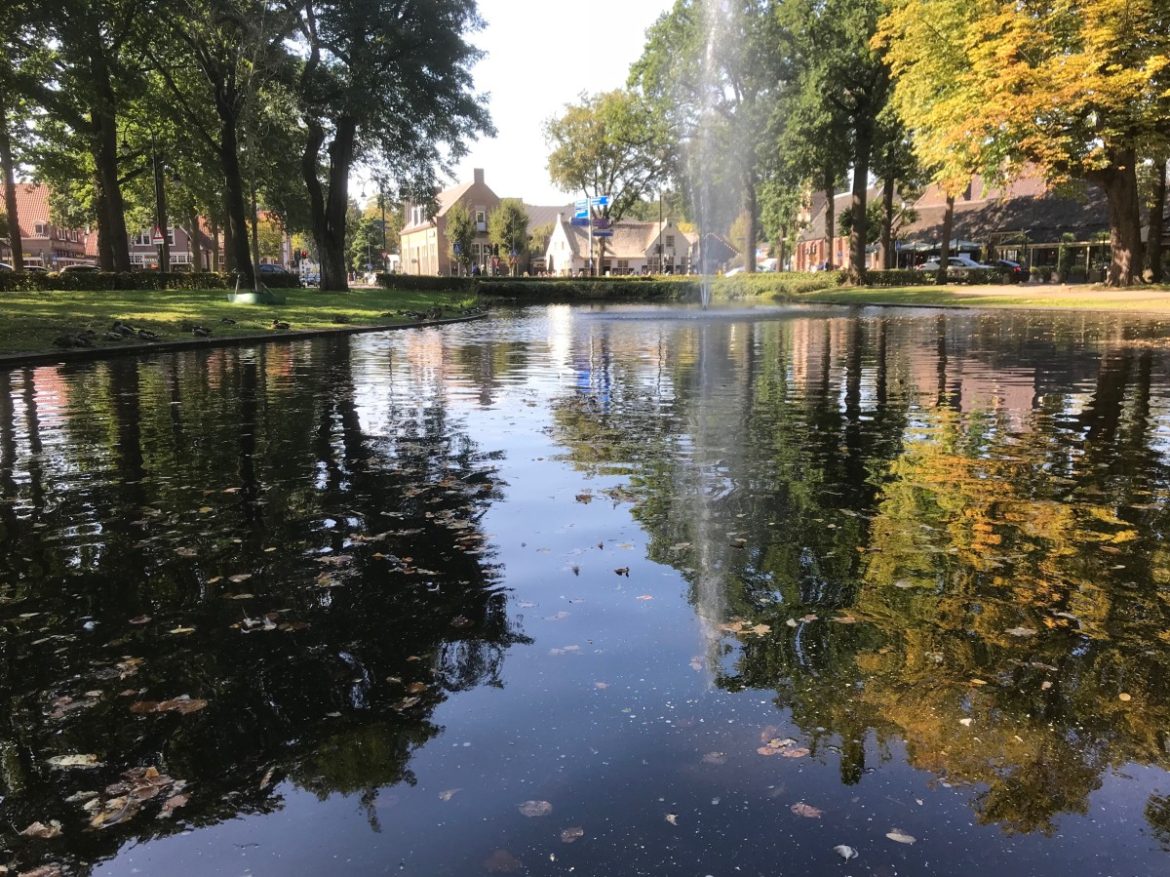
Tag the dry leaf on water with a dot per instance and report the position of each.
(240, 577)
(1021, 631)
(536, 808)
(42, 831)
(448, 794)
(601, 686)
(183, 705)
(800, 752)
(572, 835)
(899, 836)
(62, 762)
(807, 810)
(845, 852)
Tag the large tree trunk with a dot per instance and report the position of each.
(237, 225)
(160, 216)
(944, 255)
(1119, 182)
(193, 240)
(105, 156)
(889, 257)
(752, 231)
(1157, 221)
(255, 216)
(105, 250)
(858, 230)
(7, 168)
(328, 209)
(830, 219)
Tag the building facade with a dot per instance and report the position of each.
(633, 249)
(425, 249)
(45, 245)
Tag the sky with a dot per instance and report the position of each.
(532, 70)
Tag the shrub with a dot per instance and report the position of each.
(419, 283)
(100, 281)
(589, 289)
(780, 285)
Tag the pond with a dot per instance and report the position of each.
(626, 591)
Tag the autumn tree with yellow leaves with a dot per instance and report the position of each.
(1079, 88)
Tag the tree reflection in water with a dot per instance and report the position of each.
(171, 527)
(962, 558)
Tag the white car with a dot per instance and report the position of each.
(958, 267)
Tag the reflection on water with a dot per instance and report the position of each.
(883, 576)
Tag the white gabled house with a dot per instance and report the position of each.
(633, 249)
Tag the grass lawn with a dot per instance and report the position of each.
(32, 320)
(1145, 299)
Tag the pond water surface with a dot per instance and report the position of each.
(596, 592)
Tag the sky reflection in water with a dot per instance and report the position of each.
(725, 593)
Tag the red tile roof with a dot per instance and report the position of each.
(32, 206)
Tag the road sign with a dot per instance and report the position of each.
(601, 223)
(581, 205)
(157, 237)
(600, 201)
(603, 232)
(581, 214)
(581, 221)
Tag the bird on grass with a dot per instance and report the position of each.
(122, 329)
(147, 335)
(279, 324)
(200, 331)
(73, 340)
(227, 321)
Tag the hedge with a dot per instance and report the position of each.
(915, 277)
(99, 281)
(585, 289)
(781, 285)
(423, 283)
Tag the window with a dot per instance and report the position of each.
(480, 219)
(41, 230)
(475, 250)
(171, 236)
(670, 242)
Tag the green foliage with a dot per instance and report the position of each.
(608, 144)
(425, 283)
(461, 232)
(539, 237)
(508, 227)
(98, 281)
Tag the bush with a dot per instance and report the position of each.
(589, 288)
(900, 277)
(422, 283)
(101, 281)
(782, 285)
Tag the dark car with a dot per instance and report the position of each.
(266, 268)
(1013, 272)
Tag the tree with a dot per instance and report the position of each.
(508, 229)
(1079, 90)
(607, 145)
(387, 82)
(461, 233)
(711, 73)
(539, 237)
(848, 81)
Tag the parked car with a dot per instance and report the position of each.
(4, 266)
(79, 269)
(266, 268)
(958, 267)
(1013, 272)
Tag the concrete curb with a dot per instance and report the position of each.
(90, 354)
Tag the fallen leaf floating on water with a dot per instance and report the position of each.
(140, 619)
(182, 631)
(899, 836)
(966, 723)
(461, 622)
(448, 794)
(672, 818)
(585, 498)
(63, 762)
(186, 552)
(123, 800)
(536, 808)
(776, 746)
(791, 622)
(183, 705)
(799, 752)
(572, 835)
(42, 831)
(715, 758)
(502, 862)
(170, 805)
(1045, 685)
(807, 810)
(845, 852)
(739, 626)
(239, 577)
(416, 688)
(1021, 631)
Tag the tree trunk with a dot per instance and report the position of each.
(237, 225)
(782, 248)
(830, 220)
(328, 209)
(105, 251)
(1157, 222)
(944, 255)
(857, 231)
(160, 217)
(7, 168)
(752, 234)
(194, 243)
(1119, 182)
(229, 253)
(105, 156)
(889, 257)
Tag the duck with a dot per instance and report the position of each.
(72, 341)
(122, 329)
(200, 331)
(147, 335)
(227, 321)
(114, 336)
(279, 324)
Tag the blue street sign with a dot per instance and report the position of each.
(600, 223)
(581, 205)
(581, 221)
(600, 201)
(603, 233)
(581, 214)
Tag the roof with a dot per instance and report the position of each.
(631, 240)
(541, 215)
(815, 230)
(32, 206)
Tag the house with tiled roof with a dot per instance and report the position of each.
(424, 245)
(45, 244)
(633, 249)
